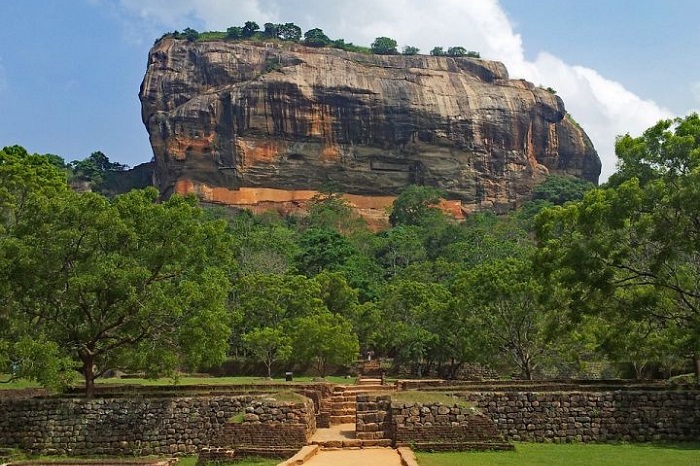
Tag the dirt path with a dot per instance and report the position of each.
(363, 457)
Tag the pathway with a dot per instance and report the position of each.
(363, 457)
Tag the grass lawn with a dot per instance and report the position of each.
(192, 461)
(21, 383)
(545, 454)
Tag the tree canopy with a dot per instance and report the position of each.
(127, 283)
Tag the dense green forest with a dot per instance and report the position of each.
(579, 281)
(290, 32)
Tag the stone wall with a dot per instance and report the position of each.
(430, 425)
(145, 426)
(633, 416)
(268, 423)
(373, 418)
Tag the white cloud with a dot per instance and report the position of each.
(604, 108)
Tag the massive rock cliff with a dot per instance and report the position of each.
(268, 125)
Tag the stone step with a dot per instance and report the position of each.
(344, 397)
(351, 443)
(369, 381)
(343, 411)
(343, 404)
(344, 419)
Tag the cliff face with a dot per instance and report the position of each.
(269, 125)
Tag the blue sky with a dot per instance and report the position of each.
(70, 70)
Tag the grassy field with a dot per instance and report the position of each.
(192, 461)
(530, 454)
(21, 383)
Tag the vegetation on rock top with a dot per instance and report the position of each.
(290, 32)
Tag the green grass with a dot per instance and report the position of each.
(252, 461)
(166, 381)
(16, 384)
(415, 396)
(527, 454)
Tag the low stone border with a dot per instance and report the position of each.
(408, 458)
(302, 456)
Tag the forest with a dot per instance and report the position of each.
(579, 281)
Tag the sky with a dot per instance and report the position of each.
(70, 70)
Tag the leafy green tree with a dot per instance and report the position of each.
(507, 311)
(325, 339)
(24, 176)
(399, 247)
(411, 332)
(632, 248)
(190, 34)
(438, 52)
(337, 295)
(410, 50)
(268, 345)
(95, 168)
(130, 283)
(384, 46)
(270, 300)
(234, 32)
(560, 189)
(316, 38)
(289, 31)
(457, 51)
(416, 205)
(249, 29)
(333, 211)
(271, 30)
(323, 249)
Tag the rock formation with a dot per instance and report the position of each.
(268, 125)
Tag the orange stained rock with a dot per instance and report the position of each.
(374, 209)
(178, 146)
(252, 152)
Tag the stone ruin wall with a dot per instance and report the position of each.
(145, 426)
(151, 426)
(560, 417)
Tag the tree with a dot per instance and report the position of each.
(95, 168)
(190, 34)
(249, 29)
(332, 211)
(507, 311)
(398, 248)
(323, 249)
(234, 32)
(416, 205)
(337, 295)
(270, 300)
(289, 31)
(24, 176)
(457, 51)
(632, 248)
(384, 46)
(125, 284)
(326, 339)
(271, 30)
(411, 330)
(268, 345)
(410, 50)
(438, 52)
(316, 38)
(560, 189)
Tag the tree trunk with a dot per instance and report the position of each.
(89, 373)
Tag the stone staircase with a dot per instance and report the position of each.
(341, 408)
